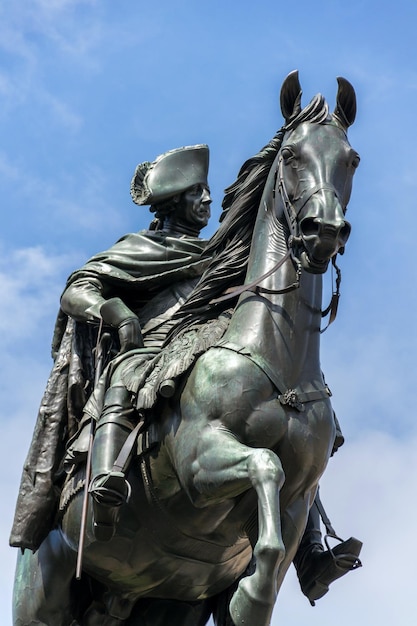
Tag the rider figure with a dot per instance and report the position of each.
(115, 288)
(159, 266)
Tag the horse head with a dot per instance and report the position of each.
(315, 168)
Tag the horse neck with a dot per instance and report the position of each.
(282, 329)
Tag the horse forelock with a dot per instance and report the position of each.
(316, 112)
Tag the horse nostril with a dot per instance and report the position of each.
(345, 232)
(316, 227)
(310, 226)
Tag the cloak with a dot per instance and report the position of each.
(135, 269)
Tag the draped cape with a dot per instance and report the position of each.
(136, 268)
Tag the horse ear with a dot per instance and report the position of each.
(290, 98)
(345, 110)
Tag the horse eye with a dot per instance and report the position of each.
(287, 154)
(355, 161)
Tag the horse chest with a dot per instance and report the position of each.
(245, 403)
(263, 423)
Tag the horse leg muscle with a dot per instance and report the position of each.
(224, 468)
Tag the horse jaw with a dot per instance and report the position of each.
(311, 265)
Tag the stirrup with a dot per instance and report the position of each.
(348, 560)
(335, 563)
(113, 491)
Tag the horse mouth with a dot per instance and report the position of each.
(313, 265)
(316, 252)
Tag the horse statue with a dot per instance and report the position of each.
(218, 507)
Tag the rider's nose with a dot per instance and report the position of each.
(206, 196)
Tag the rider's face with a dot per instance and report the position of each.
(194, 206)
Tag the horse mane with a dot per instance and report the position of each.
(229, 247)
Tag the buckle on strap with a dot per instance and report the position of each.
(296, 400)
(290, 398)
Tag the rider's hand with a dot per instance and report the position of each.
(130, 335)
(117, 314)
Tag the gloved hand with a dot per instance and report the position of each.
(118, 315)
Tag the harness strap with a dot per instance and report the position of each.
(123, 458)
(298, 205)
(346, 554)
(293, 208)
(297, 399)
(290, 397)
(334, 302)
(326, 521)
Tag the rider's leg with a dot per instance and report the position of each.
(312, 538)
(109, 488)
(310, 546)
(316, 567)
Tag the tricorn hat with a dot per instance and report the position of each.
(171, 173)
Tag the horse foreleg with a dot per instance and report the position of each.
(224, 468)
(254, 599)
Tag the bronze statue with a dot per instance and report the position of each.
(214, 422)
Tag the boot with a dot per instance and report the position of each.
(109, 492)
(316, 567)
(109, 488)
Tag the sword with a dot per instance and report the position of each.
(101, 349)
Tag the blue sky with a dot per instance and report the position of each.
(90, 88)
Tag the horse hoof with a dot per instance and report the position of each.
(245, 610)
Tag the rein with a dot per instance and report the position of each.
(334, 302)
(233, 292)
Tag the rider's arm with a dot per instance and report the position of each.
(84, 301)
(83, 298)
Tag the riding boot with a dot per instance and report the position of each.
(316, 567)
(109, 488)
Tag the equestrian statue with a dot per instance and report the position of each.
(174, 468)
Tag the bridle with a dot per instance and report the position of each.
(291, 213)
(292, 208)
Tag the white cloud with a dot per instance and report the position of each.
(86, 208)
(40, 34)
(61, 111)
(70, 26)
(371, 370)
(52, 19)
(30, 283)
